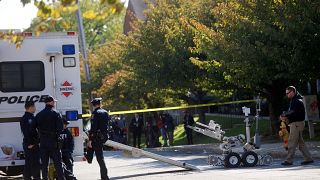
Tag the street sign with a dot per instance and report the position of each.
(311, 106)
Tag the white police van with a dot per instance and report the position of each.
(47, 64)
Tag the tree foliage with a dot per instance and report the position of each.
(157, 63)
(58, 15)
(101, 22)
(264, 45)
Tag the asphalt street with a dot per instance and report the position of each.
(122, 166)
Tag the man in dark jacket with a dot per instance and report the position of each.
(136, 127)
(295, 117)
(30, 143)
(188, 121)
(50, 126)
(98, 135)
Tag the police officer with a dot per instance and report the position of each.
(30, 143)
(98, 135)
(67, 146)
(50, 126)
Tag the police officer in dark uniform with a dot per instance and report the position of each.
(50, 126)
(67, 146)
(30, 143)
(98, 135)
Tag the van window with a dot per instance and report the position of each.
(22, 76)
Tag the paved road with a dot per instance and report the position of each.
(125, 167)
(121, 167)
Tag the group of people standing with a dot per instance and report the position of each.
(45, 137)
(155, 125)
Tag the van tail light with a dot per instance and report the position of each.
(74, 131)
(27, 34)
(71, 33)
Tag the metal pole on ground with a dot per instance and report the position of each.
(139, 152)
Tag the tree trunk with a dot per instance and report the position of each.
(201, 111)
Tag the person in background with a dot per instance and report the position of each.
(30, 143)
(160, 125)
(188, 121)
(295, 117)
(169, 127)
(123, 128)
(136, 128)
(67, 146)
(149, 134)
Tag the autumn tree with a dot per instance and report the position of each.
(58, 15)
(263, 45)
(205, 46)
(159, 60)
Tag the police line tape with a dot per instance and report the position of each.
(172, 108)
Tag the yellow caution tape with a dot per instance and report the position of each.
(172, 108)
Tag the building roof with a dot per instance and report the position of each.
(135, 10)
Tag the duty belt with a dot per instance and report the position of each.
(48, 134)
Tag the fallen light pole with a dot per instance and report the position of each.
(139, 152)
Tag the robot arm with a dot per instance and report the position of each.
(212, 130)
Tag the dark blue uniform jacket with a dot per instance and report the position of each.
(99, 122)
(28, 128)
(50, 123)
(68, 142)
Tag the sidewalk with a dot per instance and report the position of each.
(274, 149)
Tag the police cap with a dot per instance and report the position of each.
(49, 99)
(96, 101)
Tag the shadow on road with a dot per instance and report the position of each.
(148, 174)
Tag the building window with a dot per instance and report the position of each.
(22, 76)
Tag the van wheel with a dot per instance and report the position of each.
(13, 170)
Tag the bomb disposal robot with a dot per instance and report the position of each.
(236, 149)
(44, 65)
